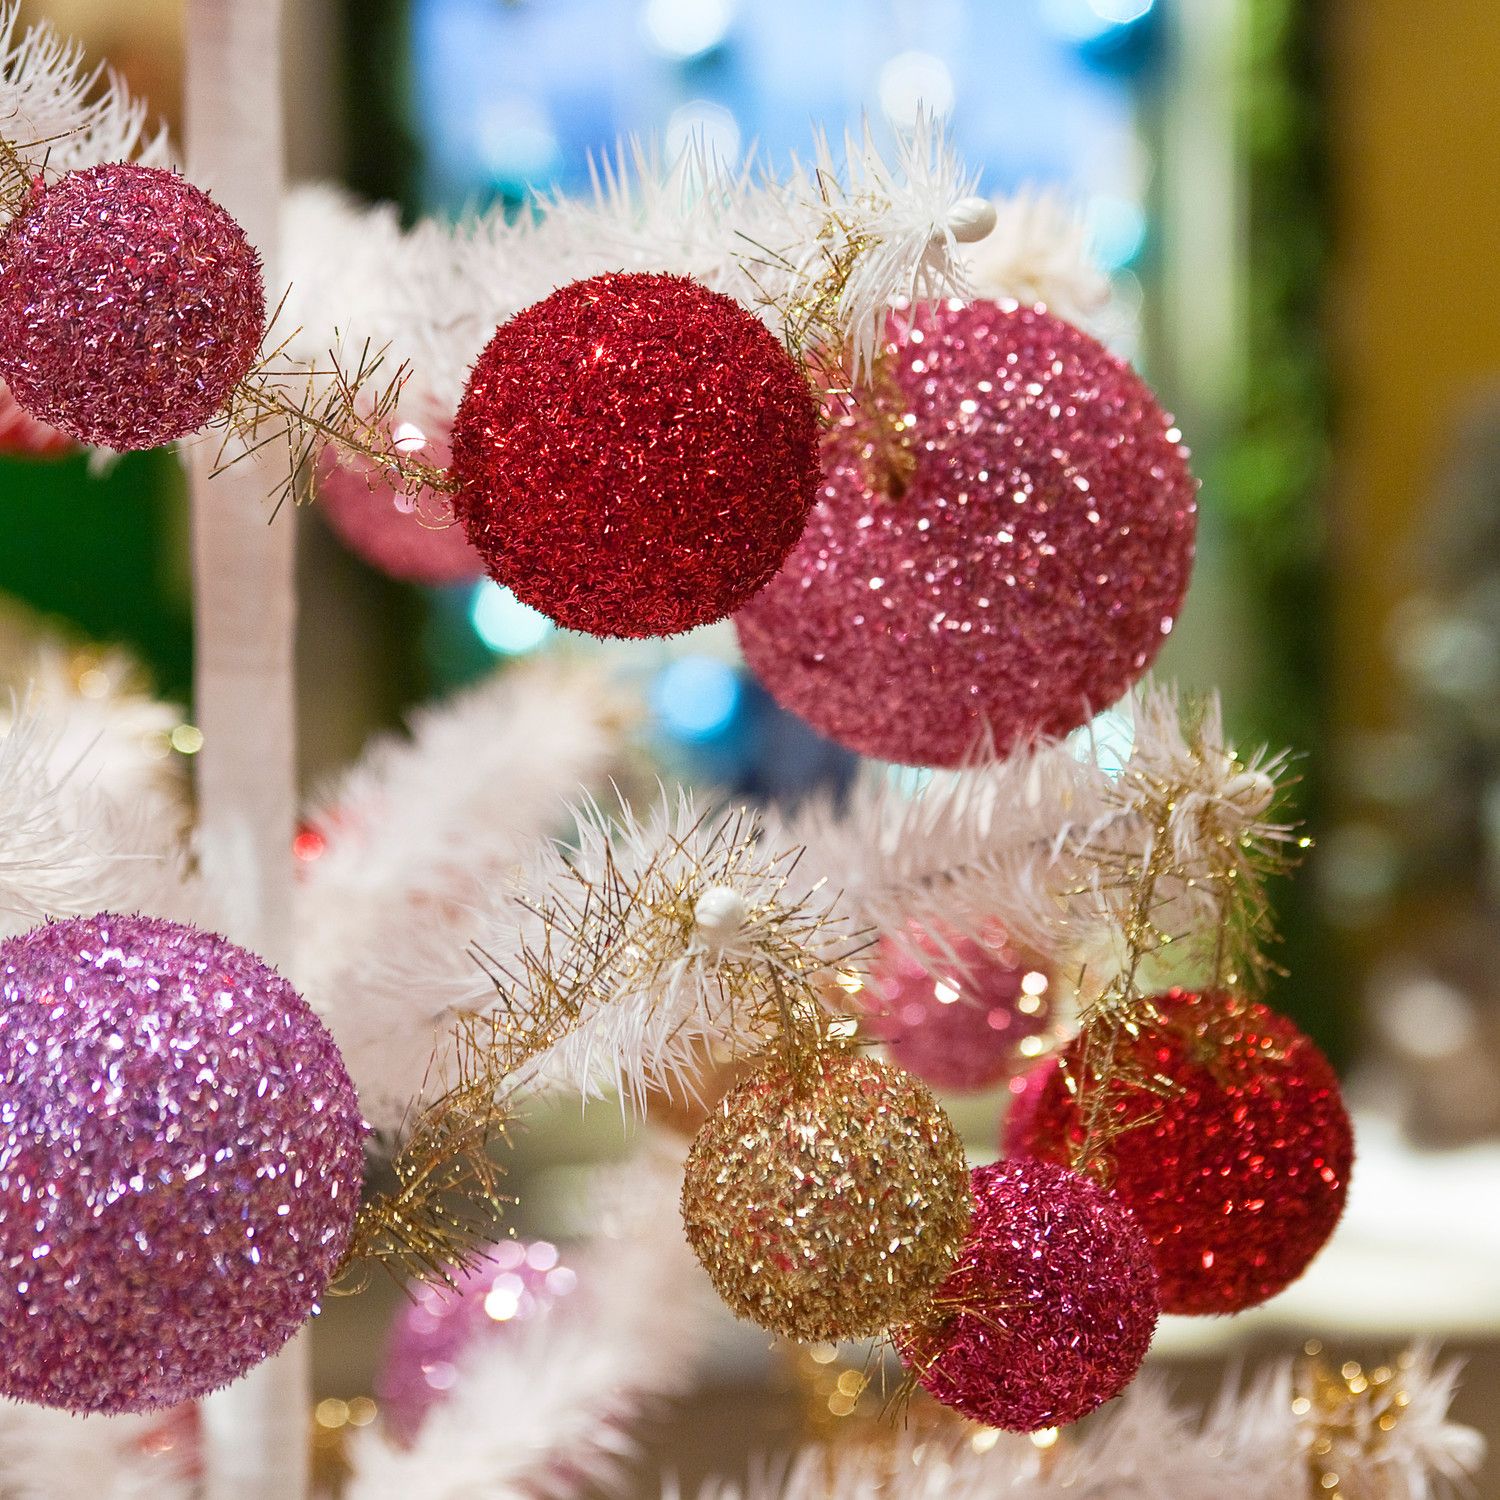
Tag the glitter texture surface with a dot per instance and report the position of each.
(954, 1012)
(1238, 1178)
(517, 1283)
(1055, 1302)
(1001, 543)
(636, 455)
(378, 523)
(130, 305)
(22, 436)
(830, 1203)
(180, 1163)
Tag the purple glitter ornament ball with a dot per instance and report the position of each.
(419, 543)
(953, 1011)
(1063, 1292)
(180, 1163)
(434, 1332)
(1002, 540)
(131, 304)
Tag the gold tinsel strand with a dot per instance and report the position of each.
(624, 932)
(827, 1196)
(447, 1202)
(303, 409)
(1158, 879)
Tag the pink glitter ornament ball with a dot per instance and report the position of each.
(131, 305)
(953, 1011)
(418, 543)
(436, 1330)
(1063, 1297)
(1238, 1176)
(180, 1163)
(1000, 546)
(636, 455)
(22, 436)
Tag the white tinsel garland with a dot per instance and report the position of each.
(422, 833)
(1253, 1444)
(891, 229)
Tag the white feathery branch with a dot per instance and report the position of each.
(545, 1410)
(65, 849)
(436, 294)
(1017, 841)
(57, 113)
(424, 832)
(1039, 251)
(53, 1455)
(658, 941)
(1251, 1445)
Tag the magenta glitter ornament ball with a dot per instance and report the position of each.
(954, 1011)
(1000, 546)
(131, 304)
(636, 455)
(440, 1327)
(181, 1155)
(1055, 1299)
(419, 542)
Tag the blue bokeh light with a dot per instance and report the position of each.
(696, 698)
(503, 623)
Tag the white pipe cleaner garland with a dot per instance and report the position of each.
(1265, 1442)
(54, 112)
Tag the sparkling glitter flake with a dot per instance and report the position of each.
(954, 1011)
(1051, 1307)
(180, 1163)
(1000, 546)
(828, 1204)
(420, 544)
(435, 1330)
(1239, 1176)
(130, 306)
(636, 455)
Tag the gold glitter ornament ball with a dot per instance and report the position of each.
(826, 1202)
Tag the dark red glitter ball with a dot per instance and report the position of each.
(636, 455)
(1239, 1176)
(1014, 572)
(130, 306)
(1062, 1298)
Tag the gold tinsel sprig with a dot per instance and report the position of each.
(656, 944)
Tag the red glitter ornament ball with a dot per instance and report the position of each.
(22, 436)
(1056, 1302)
(131, 305)
(1239, 1176)
(954, 1011)
(1001, 543)
(636, 455)
(418, 542)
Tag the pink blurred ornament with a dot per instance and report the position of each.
(21, 435)
(131, 305)
(1002, 540)
(181, 1158)
(954, 1011)
(419, 542)
(1050, 1309)
(433, 1334)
